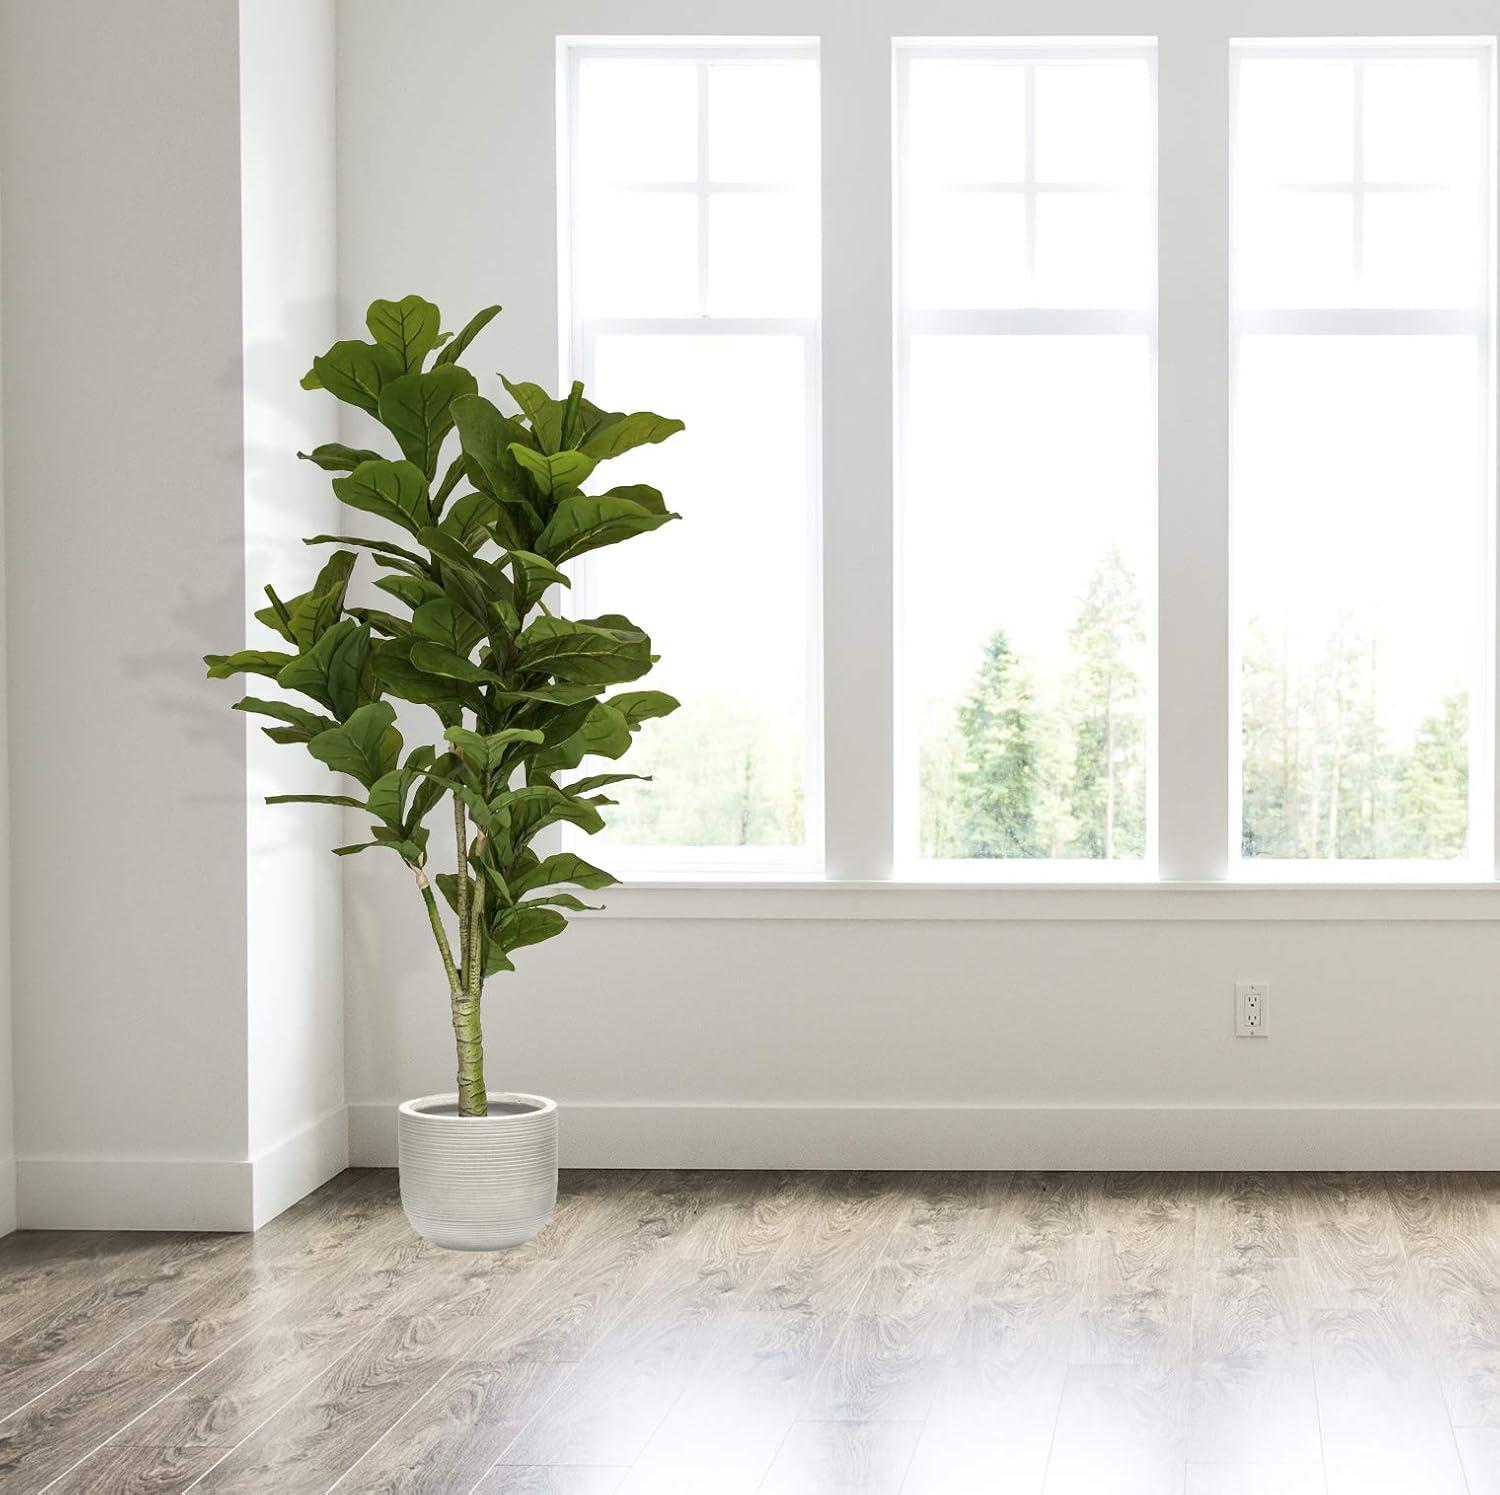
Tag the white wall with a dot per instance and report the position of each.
(126, 531)
(295, 912)
(1043, 1029)
(177, 1003)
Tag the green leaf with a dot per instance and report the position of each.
(412, 590)
(365, 747)
(348, 801)
(562, 867)
(417, 410)
(472, 328)
(603, 780)
(620, 433)
(533, 575)
(355, 372)
(330, 671)
(538, 805)
(583, 652)
(396, 491)
(583, 522)
(308, 723)
(451, 479)
(556, 476)
(639, 706)
(408, 327)
(562, 900)
(336, 457)
(392, 666)
(469, 519)
(551, 695)
(487, 437)
(527, 926)
(390, 555)
(388, 796)
(436, 660)
(312, 614)
(441, 622)
(544, 413)
(247, 662)
(603, 733)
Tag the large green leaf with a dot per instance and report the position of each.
(557, 475)
(334, 456)
(355, 372)
(603, 733)
(583, 652)
(346, 800)
(412, 590)
(330, 671)
(487, 437)
(544, 413)
(396, 491)
(585, 522)
(408, 327)
(562, 867)
(442, 622)
(527, 810)
(638, 706)
(417, 410)
(307, 723)
(620, 433)
(486, 754)
(526, 926)
(387, 554)
(472, 328)
(469, 519)
(394, 668)
(247, 662)
(365, 747)
(317, 610)
(437, 660)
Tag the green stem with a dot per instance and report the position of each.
(455, 983)
(461, 836)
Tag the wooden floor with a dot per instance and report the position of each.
(929, 1334)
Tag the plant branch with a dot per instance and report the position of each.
(440, 934)
(461, 835)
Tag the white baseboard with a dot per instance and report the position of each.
(292, 1168)
(179, 1193)
(133, 1194)
(7, 1195)
(1175, 1138)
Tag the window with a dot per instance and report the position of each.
(1026, 471)
(1124, 512)
(1362, 461)
(693, 282)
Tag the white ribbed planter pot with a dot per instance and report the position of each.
(478, 1183)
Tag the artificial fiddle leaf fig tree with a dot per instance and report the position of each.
(469, 544)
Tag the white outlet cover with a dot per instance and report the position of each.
(1251, 999)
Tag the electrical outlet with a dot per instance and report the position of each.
(1250, 999)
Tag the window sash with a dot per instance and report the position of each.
(579, 334)
(1475, 323)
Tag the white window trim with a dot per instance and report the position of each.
(1192, 412)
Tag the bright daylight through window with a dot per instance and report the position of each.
(1361, 484)
(692, 228)
(1026, 471)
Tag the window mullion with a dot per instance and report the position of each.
(858, 676)
(1193, 436)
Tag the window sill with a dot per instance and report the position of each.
(1093, 902)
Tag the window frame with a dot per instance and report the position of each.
(1197, 831)
(1476, 322)
(578, 334)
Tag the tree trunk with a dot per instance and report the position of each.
(472, 1097)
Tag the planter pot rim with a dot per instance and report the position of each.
(536, 1105)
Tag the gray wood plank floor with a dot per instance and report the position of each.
(785, 1334)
